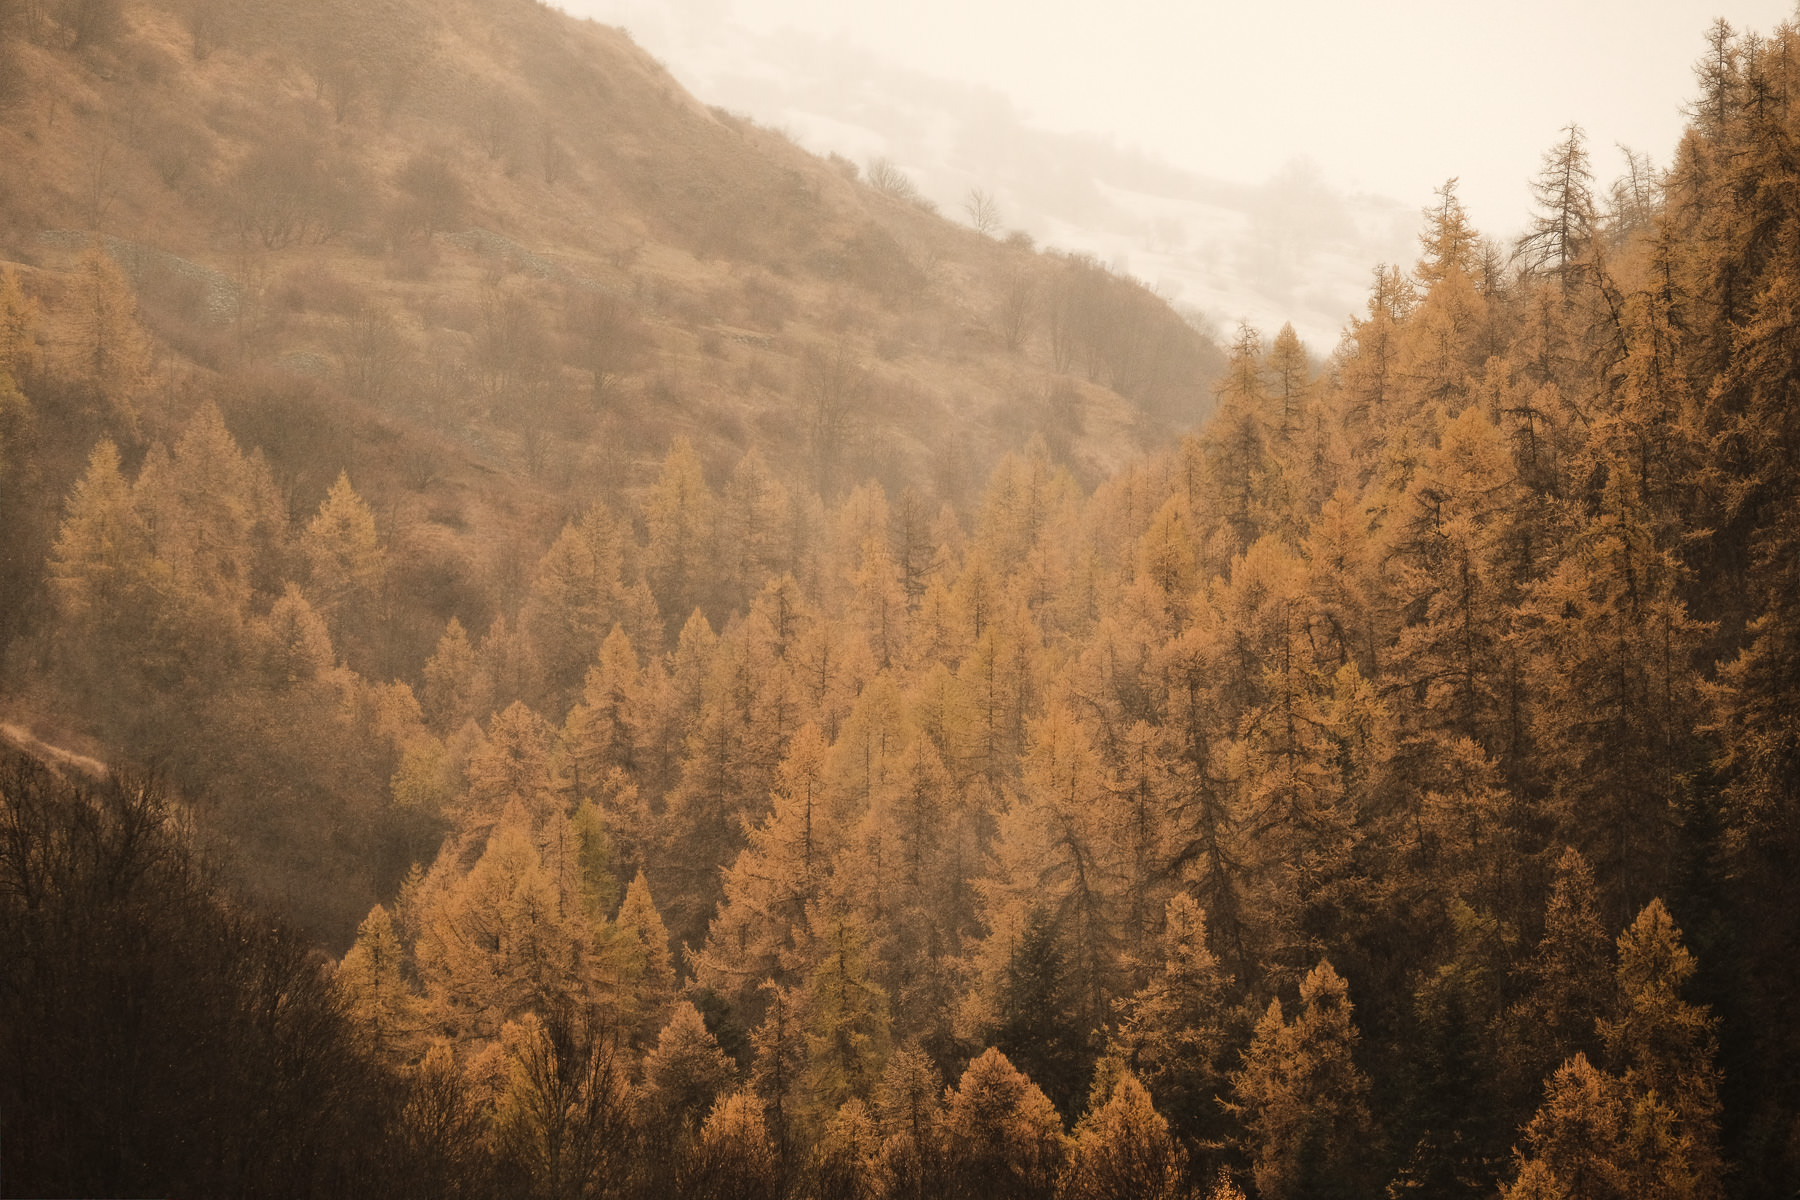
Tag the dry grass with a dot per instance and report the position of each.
(586, 170)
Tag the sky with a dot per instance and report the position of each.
(1252, 161)
(1390, 98)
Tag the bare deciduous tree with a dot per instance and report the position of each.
(834, 384)
(371, 352)
(610, 337)
(205, 21)
(983, 210)
(890, 180)
(434, 195)
(1018, 307)
(495, 125)
(552, 157)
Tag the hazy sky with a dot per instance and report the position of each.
(1389, 97)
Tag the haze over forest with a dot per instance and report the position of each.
(560, 638)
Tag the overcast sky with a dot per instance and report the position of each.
(1390, 98)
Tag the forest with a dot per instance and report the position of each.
(1389, 785)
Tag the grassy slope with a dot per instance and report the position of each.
(739, 260)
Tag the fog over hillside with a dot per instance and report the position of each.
(1296, 247)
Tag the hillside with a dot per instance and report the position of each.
(1387, 786)
(492, 261)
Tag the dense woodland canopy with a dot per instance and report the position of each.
(1391, 786)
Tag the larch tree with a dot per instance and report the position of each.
(1002, 1137)
(569, 609)
(1173, 1033)
(762, 929)
(603, 729)
(733, 1158)
(847, 1037)
(778, 1066)
(296, 647)
(454, 684)
(679, 513)
(1448, 241)
(348, 567)
(109, 351)
(1564, 225)
(1122, 1150)
(686, 1072)
(1289, 383)
(646, 966)
(1302, 1098)
(1240, 453)
(372, 980)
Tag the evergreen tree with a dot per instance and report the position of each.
(1173, 1033)
(646, 965)
(847, 1038)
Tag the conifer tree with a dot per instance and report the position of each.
(512, 764)
(733, 1159)
(1002, 1137)
(1571, 974)
(679, 513)
(102, 550)
(110, 591)
(847, 1161)
(1290, 385)
(603, 729)
(569, 609)
(1173, 1032)
(909, 1103)
(1663, 1045)
(454, 686)
(1368, 372)
(778, 1066)
(762, 930)
(1448, 241)
(1610, 639)
(648, 967)
(110, 351)
(753, 527)
(500, 941)
(297, 647)
(1564, 226)
(1239, 440)
(348, 565)
(847, 1038)
(686, 1072)
(201, 503)
(372, 981)
(598, 860)
(1302, 1098)
(1122, 1150)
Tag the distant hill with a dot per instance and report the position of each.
(503, 241)
(1292, 247)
